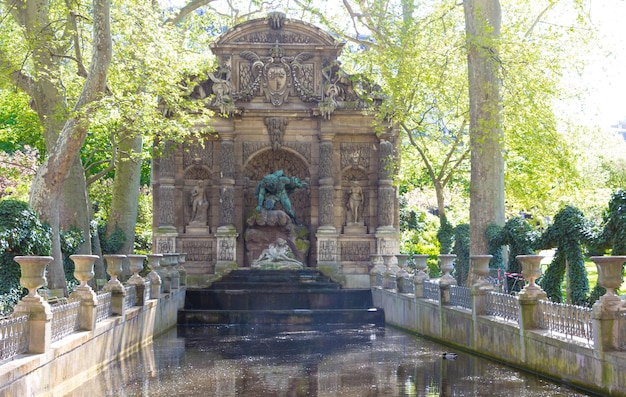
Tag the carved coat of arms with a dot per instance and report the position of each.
(275, 76)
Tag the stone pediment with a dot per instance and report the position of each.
(281, 30)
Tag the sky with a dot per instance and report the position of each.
(606, 73)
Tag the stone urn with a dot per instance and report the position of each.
(83, 268)
(33, 273)
(135, 266)
(531, 270)
(389, 277)
(402, 264)
(115, 265)
(154, 276)
(610, 277)
(480, 267)
(422, 268)
(377, 271)
(446, 264)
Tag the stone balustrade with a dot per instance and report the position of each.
(35, 323)
(524, 330)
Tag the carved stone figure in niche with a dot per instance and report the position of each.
(198, 204)
(276, 188)
(218, 85)
(277, 256)
(276, 130)
(355, 203)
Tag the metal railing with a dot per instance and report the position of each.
(13, 336)
(501, 305)
(104, 309)
(431, 291)
(65, 319)
(568, 320)
(460, 296)
(131, 297)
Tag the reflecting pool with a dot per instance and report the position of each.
(294, 361)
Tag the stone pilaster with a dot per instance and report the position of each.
(326, 182)
(227, 179)
(165, 234)
(226, 249)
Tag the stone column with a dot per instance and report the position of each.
(227, 233)
(386, 191)
(165, 235)
(446, 264)
(327, 243)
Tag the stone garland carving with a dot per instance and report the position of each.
(227, 205)
(355, 155)
(328, 250)
(355, 251)
(276, 130)
(195, 154)
(326, 160)
(166, 205)
(227, 156)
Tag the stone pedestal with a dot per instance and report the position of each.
(226, 249)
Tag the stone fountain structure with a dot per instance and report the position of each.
(288, 106)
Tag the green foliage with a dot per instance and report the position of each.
(569, 233)
(495, 241)
(21, 233)
(445, 235)
(418, 235)
(114, 243)
(20, 129)
(613, 233)
(462, 252)
(70, 242)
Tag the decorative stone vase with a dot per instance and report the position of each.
(389, 277)
(531, 270)
(377, 271)
(83, 268)
(480, 267)
(135, 266)
(154, 276)
(115, 265)
(33, 273)
(422, 268)
(609, 277)
(446, 264)
(402, 264)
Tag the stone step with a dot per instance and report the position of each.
(242, 299)
(279, 317)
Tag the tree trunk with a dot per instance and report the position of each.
(125, 200)
(75, 209)
(47, 189)
(482, 23)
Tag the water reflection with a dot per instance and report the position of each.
(254, 361)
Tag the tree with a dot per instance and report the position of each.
(48, 34)
(482, 21)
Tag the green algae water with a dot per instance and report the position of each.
(302, 361)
